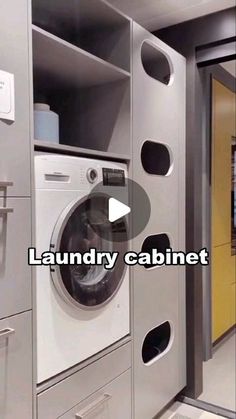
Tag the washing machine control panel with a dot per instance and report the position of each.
(113, 177)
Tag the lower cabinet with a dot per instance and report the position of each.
(111, 402)
(16, 367)
(101, 390)
(15, 239)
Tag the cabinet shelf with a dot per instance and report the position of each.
(79, 151)
(81, 68)
(58, 61)
(92, 25)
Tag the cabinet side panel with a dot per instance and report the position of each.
(159, 294)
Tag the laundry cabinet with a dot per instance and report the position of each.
(15, 152)
(14, 135)
(90, 73)
(15, 155)
(16, 380)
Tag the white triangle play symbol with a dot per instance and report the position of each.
(117, 209)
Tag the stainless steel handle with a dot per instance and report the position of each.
(5, 184)
(5, 210)
(93, 407)
(5, 333)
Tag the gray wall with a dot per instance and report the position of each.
(186, 38)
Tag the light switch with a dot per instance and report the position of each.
(7, 96)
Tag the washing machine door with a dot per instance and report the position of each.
(81, 226)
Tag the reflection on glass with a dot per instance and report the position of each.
(88, 228)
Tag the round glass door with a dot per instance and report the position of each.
(83, 226)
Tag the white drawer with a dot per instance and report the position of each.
(111, 402)
(60, 398)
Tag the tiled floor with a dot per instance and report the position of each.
(219, 376)
(184, 411)
(219, 385)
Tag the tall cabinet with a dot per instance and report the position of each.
(120, 94)
(158, 162)
(81, 66)
(15, 221)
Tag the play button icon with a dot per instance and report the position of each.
(117, 210)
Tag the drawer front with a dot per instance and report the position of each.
(60, 398)
(111, 402)
(15, 136)
(15, 238)
(16, 367)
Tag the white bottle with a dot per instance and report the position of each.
(46, 123)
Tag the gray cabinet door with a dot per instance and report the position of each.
(111, 402)
(16, 367)
(15, 238)
(159, 293)
(14, 58)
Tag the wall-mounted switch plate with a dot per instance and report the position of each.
(7, 96)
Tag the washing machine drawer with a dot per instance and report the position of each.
(16, 367)
(103, 384)
(111, 402)
(15, 238)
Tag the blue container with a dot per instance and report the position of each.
(46, 123)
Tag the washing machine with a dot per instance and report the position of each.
(81, 309)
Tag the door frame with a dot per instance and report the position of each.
(193, 39)
(205, 71)
(207, 74)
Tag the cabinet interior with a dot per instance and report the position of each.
(81, 63)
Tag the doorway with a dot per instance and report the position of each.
(219, 311)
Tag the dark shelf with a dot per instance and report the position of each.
(57, 61)
(92, 25)
(78, 151)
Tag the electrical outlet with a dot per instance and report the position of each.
(7, 96)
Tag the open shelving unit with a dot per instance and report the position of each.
(81, 68)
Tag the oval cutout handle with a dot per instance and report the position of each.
(93, 407)
(156, 158)
(161, 242)
(156, 342)
(156, 63)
